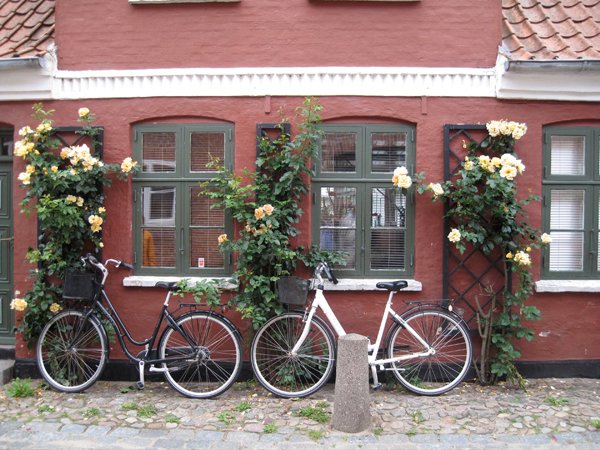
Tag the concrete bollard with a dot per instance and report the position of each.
(351, 408)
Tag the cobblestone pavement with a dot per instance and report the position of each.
(552, 413)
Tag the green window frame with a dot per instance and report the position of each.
(355, 207)
(571, 197)
(175, 228)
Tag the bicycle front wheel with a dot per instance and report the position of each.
(72, 351)
(203, 359)
(450, 361)
(292, 375)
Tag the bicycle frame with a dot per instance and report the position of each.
(122, 332)
(320, 302)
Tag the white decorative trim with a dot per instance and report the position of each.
(346, 284)
(260, 81)
(567, 286)
(26, 78)
(539, 83)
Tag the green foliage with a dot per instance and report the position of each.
(266, 205)
(318, 413)
(20, 388)
(557, 401)
(202, 291)
(64, 186)
(488, 214)
(270, 428)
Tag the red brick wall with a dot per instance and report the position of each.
(567, 330)
(114, 34)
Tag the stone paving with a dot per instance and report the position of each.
(552, 413)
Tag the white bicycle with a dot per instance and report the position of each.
(428, 347)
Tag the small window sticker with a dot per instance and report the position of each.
(201, 263)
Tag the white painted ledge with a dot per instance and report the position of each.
(368, 284)
(345, 284)
(567, 286)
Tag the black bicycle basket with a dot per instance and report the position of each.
(293, 290)
(79, 285)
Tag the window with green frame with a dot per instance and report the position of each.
(571, 191)
(355, 207)
(175, 228)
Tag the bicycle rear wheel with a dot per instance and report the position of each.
(203, 360)
(446, 367)
(72, 351)
(288, 375)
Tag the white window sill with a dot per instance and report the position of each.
(148, 281)
(182, 1)
(567, 286)
(345, 284)
(367, 284)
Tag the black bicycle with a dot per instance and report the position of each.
(199, 351)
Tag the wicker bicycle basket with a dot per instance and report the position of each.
(79, 285)
(293, 290)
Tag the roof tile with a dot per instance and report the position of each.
(26, 27)
(551, 29)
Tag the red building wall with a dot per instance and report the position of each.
(114, 34)
(568, 328)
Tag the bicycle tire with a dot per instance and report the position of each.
(72, 351)
(286, 375)
(214, 361)
(447, 367)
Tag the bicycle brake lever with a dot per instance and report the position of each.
(126, 265)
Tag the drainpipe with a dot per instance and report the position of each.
(21, 63)
(573, 66)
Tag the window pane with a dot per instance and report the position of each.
(206, 225)
(204, 147)
(566, 251)
(567, 155)
(388, 151)
(567, 209)
(158, 152)
(388, 229)
(158, 247)
(158, 226)
(6, 143)
(338, 221)
(338, 152)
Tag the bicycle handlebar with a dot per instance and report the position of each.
(323, 267)
(89, 258)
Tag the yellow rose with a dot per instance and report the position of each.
(127, 165)
(546, 238)
(222, 238)
(83, 112)
(54, 169)
(25, 178)
(101, 210)
(259, 213)
(268, 209)
(54, 308)
(454, 235)
(18, 304)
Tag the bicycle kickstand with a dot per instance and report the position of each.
(376, 384)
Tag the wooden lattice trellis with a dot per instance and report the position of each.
(467, 276)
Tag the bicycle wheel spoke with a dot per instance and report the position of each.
(451, 352)
(287, 374)
(208, 367)
(71, 351)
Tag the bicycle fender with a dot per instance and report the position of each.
(208, 313)
(417, 308)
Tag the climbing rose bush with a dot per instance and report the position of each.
(64, 187)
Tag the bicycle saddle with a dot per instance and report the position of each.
(170, 285)
(394, 286)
